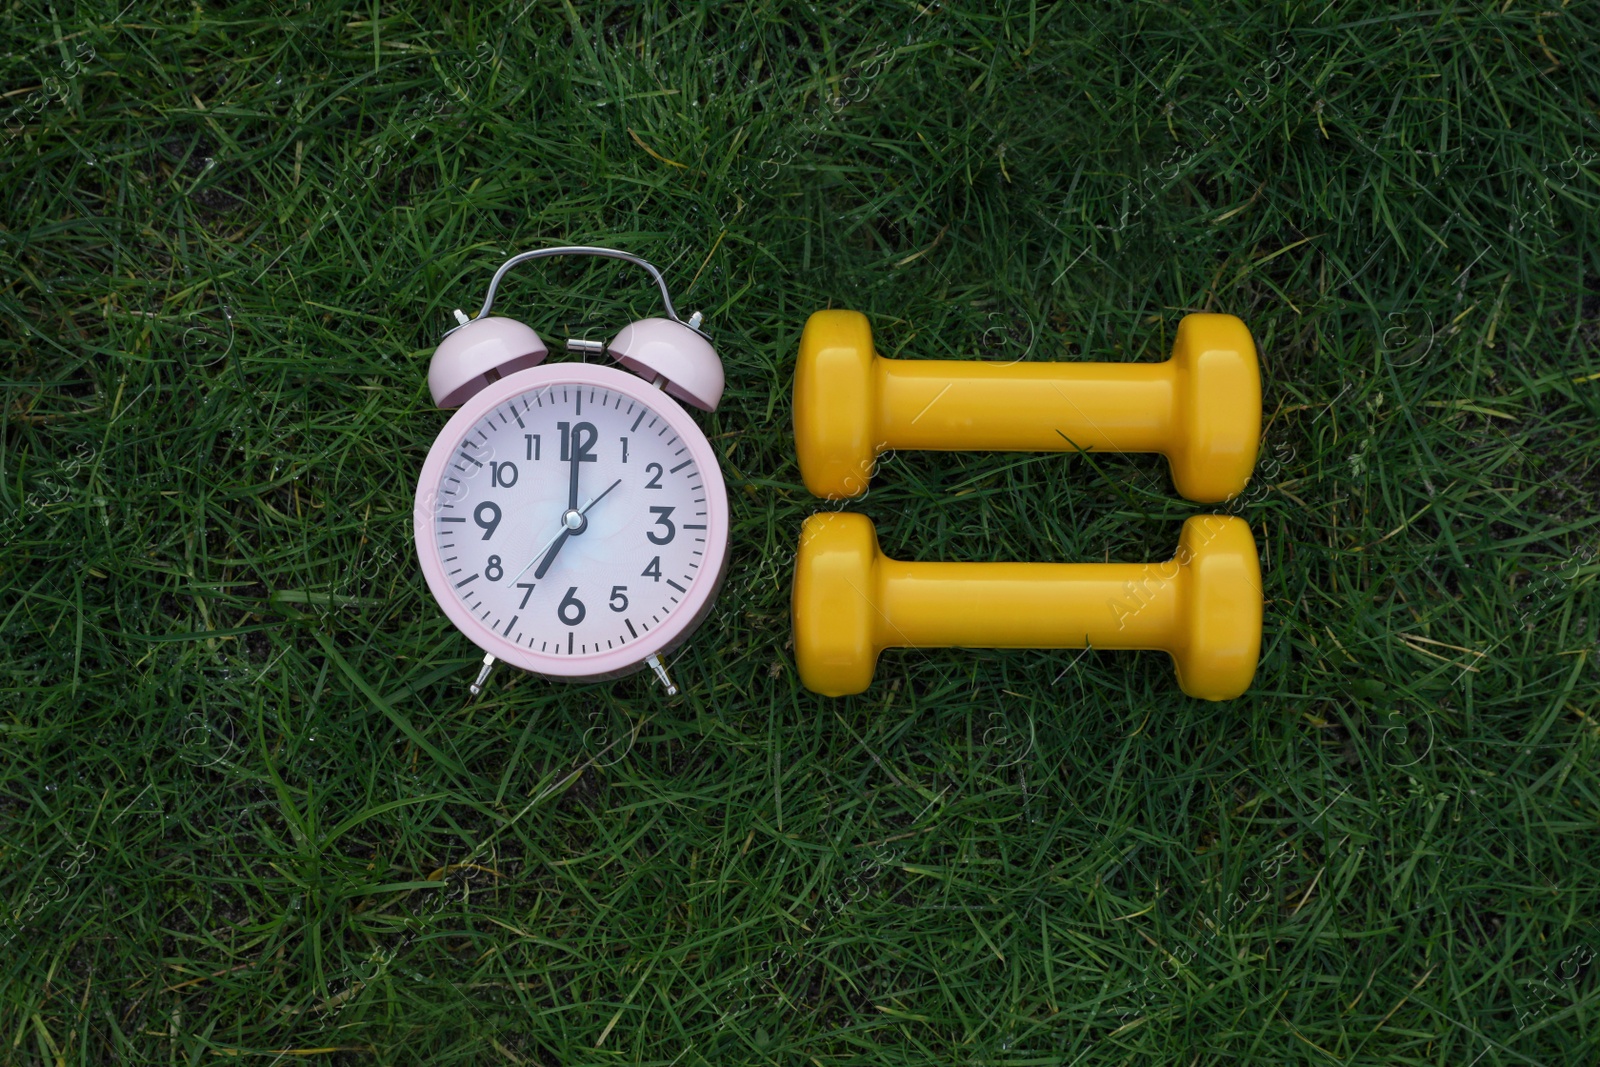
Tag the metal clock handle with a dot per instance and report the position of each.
(692, 322)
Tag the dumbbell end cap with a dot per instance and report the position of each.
(1222, 607)
(1218, 400)
(835, 409)
(833, 606)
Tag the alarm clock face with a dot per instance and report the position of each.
(572, 520)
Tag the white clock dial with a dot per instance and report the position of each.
(563, 574)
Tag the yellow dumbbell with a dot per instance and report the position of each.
(851, 602)
(1201, 408)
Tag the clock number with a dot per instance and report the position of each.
(653, 569)
(619, 592)
(494, 572)
(624, 450)
(662, 520)
(575, 440)
(532, 441)
(578, 611)
(487, 524)
(503, 475)
(529, 587)
(655, 479)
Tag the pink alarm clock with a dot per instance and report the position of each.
(571, 518)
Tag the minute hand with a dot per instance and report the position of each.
(577, 459)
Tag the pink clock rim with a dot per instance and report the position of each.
(664, 635)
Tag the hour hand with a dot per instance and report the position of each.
(575, 522)
(550, 556)
(547, 551)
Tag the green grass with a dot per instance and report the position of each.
(248, 808)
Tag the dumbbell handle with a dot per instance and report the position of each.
(1201, 408)
(1203, 606)
(1025, 407)
(1027, 605)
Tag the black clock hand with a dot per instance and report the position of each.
(572, 504)
(577, 458)
(547, 550)
(550, 556)
(561, 538)
(537, 556)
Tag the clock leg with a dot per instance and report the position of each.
(661, 675)
(483, 674)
